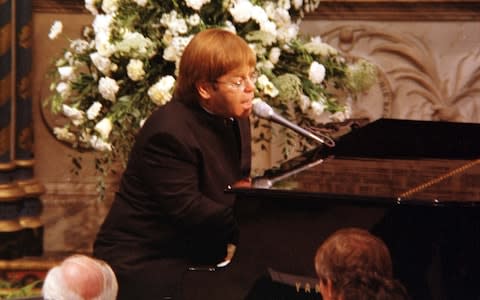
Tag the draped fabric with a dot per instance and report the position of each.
(21, 231)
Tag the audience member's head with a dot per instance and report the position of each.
(354, 264)
(80, 277)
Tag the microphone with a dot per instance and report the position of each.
(265, 111)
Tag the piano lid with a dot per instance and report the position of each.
(387, 161)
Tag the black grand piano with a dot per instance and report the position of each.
(416, 184)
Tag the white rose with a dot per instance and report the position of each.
(297, 4)
(194, 20)
(110, 6)
(288, 33)
(196, 4)
(103, 45)
(317, 107)
(318, 112)
(104, 127)
(135, 70)
(63, 134)
(304, 103)
(79, 46)
(63, 89)
(241, 11)
(267, 86)
(316, 72)
(274, 55)
(101, 24)
(140, 2)
(269, 27)
(93, 110)
(339, 116)
(99, 144)
(230, 27)
(76, 115)
(55, 30)
(259, 14)
(160, 92)
(90, 5)
(66, 72)
(103, 64)
(108, 88)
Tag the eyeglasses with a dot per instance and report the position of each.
(241, 83)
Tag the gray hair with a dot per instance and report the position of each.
(56, 287)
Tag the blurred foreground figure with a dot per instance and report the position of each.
(80, 277)
(352, 264)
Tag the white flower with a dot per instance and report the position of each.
(103, 64)
(196, 4)
(103, 45)
(104, 127)
(316, 46)
(241, 11)
(230, 27)
(274, 55)
(66, 72)
(265, 64)
(90, 5)
(317, 107)
(79, 46)
(77, 116)
(297, 4)
(101, 24)
(135, 70)
(160, 92)
(101, 27)
(175, 25)
(287, 33)
(63, 134)
(108, 88)
(304, 103)
(93, 110)
(316, 72)
(259, 14)
(269, 27)
(140, 2)
(339, 116)
(267, 86)
(110, 6)
(55, 30)
(174, 51)
(135, 44)
(63, 89)
(318, 112)
(99, 144)
(194, 20)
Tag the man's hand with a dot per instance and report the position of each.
(228, 258)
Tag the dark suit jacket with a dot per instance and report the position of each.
(171, 202)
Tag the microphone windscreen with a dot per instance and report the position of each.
(262, 109)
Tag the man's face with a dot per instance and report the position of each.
(231, 94)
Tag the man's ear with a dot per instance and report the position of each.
(204, 89)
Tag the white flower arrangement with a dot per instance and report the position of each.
(124, 65)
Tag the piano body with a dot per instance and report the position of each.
(416, 184)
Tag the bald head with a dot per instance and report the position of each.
(83, 275)
(80, 277)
